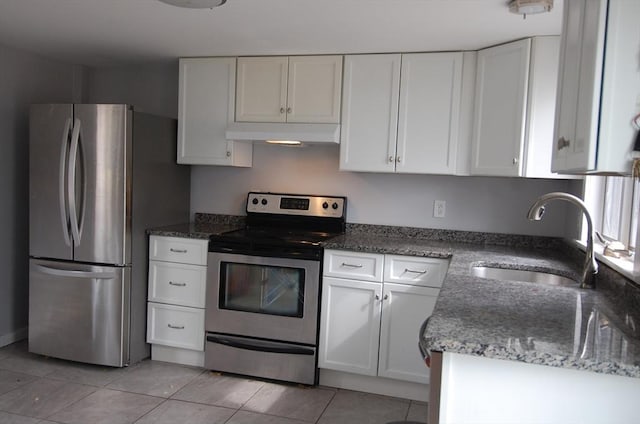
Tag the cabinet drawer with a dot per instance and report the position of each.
(175, 326)
(179, 284)
(178, 249)
(415, 270)
(353, 265)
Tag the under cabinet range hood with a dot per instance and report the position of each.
(284, 132)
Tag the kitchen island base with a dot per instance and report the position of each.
(482, 390)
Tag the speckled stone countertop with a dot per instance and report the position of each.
(592, 330)
(204, 226)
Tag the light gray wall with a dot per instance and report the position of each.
(24, 79)
(472, 203)
(151, 88)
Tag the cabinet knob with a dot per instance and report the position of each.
(398, 159)
(377, 297)
(288, 110)
(228, 154)
(515, 161)
(281, 110)
(391, 159)
(386, 296)
(563, 142)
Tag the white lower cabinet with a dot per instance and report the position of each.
(404, 309)
(371, 327)
(350, 325)
(175, 313)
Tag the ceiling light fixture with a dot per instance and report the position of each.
(195, 4)
(528, 7)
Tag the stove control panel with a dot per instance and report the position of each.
(296, 204)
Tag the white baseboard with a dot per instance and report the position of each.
(177, 356)
(20, 334)
(377, 385)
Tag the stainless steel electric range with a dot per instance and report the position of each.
(263, 287)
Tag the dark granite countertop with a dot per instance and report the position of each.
(593, 330)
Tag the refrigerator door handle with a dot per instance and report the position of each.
(71, 182)
(104, 275)
(64, 215)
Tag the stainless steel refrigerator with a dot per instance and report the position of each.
(100, 175)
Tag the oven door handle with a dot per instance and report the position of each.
(261, 345)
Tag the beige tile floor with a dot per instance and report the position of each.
(36, 389)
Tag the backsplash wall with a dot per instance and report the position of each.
(483, 204)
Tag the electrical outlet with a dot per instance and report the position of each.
(439, 208)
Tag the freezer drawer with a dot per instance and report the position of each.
(79, 312)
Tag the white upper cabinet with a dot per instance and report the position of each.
(501, 94)
(206, 102)
(301, 89)
(370, 112)
(598, 87)
(401, 113)
(430, 85)
(514, 109)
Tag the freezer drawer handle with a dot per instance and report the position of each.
(171, 283)
(104, 275)
(177, 250)
(176, 327)
(261, 346)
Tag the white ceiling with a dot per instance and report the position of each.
(118, 32)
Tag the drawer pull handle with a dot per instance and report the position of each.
(178, 250)
(176, 327)
(344, 264)
(171, 283)
(413, 271)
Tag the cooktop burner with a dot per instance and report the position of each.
(281, 235)
(285, 225)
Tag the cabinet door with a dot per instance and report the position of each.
(541, 106)
(404, 309)
(350, 325)
(262, 89)
(205, 108)
(501, 95)
(314, 88)
(429, 113)
(370, 112)
(568, 82)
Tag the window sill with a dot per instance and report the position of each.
(623, 266)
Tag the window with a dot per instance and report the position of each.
(614, 203)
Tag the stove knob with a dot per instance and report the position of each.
(325, 205)
(254, 201)
(335, 205)
(264, 202)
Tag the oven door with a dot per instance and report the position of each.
(263, 297)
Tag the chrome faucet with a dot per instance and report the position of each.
(590, 268)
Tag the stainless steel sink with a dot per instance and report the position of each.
(522, 275)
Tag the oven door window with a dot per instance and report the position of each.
(263, 289)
